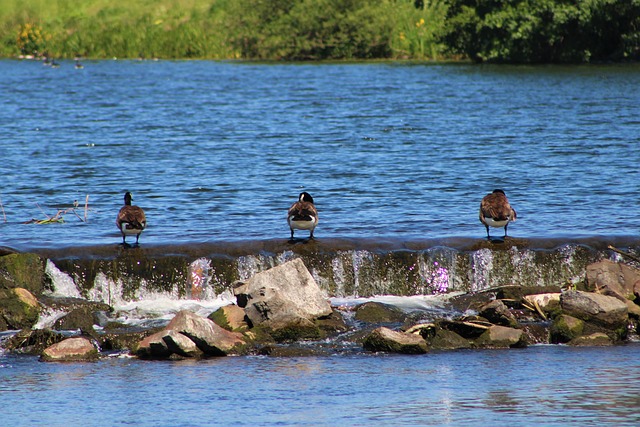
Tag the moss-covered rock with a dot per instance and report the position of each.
(19, 309)
(501, 337)
(565, 328)
(230, 317)
(22, 270)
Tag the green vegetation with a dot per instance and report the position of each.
(221, 29)
(545, 31)
(520, 31)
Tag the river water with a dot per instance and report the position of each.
(215, 153)
(537, 386)
(218, 151)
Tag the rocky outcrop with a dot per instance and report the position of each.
(284, 299)
(190, 335)
(71, 349)
(387, 340)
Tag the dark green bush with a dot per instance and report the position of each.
(544, 31)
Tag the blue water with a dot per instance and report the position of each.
(537, 386)
(218, 151)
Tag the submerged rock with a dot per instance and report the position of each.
(70, 349)
(387, 340)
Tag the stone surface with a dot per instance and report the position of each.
(501, 337)
(497, 312)
(565, 328)
(70, 349)
(612, 278)
(153, 347)
(22, 270)
(386, 340)
(546, 302)
(210, 338)
(231, 317)
(591, 307)
(18, 309)
(281, 295)
(180, 344)
(376, 312)
(595, 339)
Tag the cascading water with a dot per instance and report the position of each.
(147, 285)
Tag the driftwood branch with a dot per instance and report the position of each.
(59, 216)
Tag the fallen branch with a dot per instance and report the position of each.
(2, 207)
(628, 255)
(59, 216)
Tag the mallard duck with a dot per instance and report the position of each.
(495, 211)
(131, 219)
(303, 215)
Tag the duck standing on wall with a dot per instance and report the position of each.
(303, 215)
(131, 219)
(495, 211)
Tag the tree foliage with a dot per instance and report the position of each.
(544, 31)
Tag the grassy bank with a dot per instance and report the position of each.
(222, 29)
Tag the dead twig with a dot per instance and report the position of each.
(59, 216)
(2, 207)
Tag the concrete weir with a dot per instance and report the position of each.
(342, 267)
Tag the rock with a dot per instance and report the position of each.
(153, 347)
(613, 279)
(376, 312)
(82, 318)
(387, 340)
(125, 338)
(565, 328)
(520, 292)
(210, 338)
(497, 312)
(443, 339)
(28, 341)
(607, 311)
(19, 309)
(22, 270)
(501, 337)
(595, 339)
(71, 349)
(282, 296)
(469, 328)
(230, 317)
(180, 344)
(546, 302)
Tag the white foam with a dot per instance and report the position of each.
(63, 284)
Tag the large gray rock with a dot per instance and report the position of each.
(387, 340)
(71, 349)
(497, 312)
(591, 307)
(210, 338)
(282, 296)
